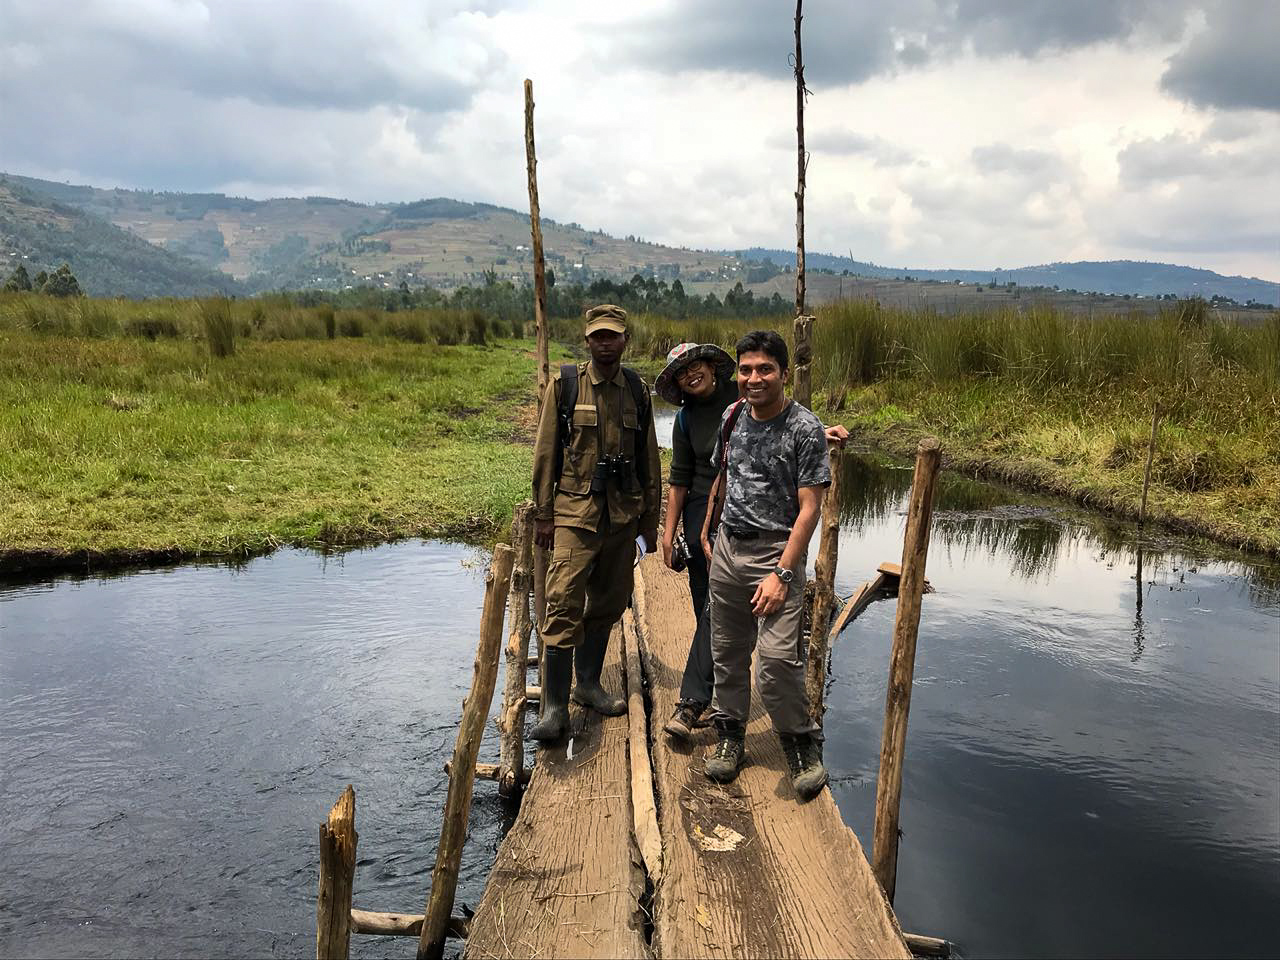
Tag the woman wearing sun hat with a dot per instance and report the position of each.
(701, 379)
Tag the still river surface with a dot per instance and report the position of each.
(1093, 765)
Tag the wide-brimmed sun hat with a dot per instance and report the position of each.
(683, 354)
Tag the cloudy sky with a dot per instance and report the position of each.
(943, 133)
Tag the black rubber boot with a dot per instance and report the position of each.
(557, 672)
(804, 758)
(588, 660)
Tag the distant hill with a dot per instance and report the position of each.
(42, 233)
(1116, 277)
(325, 243)
(149, 243)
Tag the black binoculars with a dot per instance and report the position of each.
(621, 469)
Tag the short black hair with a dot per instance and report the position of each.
(767, 342)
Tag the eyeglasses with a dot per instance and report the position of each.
(697, 366)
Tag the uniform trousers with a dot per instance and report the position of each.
(589, 580)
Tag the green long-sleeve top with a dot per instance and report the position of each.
(694, 437)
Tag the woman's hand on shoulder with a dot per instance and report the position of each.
(837, 434)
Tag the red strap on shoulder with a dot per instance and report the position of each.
(735, 411)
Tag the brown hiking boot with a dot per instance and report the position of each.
(725, 762)
(684, 720)
(804, 758)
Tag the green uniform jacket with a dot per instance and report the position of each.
(604, 423)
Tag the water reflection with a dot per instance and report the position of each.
(981, 520)
(171, 738)
(1093, 726)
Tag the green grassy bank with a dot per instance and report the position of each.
(123, 437)
(122, 449)
(1061, 402)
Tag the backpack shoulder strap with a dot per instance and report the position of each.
(564, 412)
(731, 421)
(639, 393)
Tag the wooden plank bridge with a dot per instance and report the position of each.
(741, 870)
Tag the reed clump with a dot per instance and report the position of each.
(219, 326)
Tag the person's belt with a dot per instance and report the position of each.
(737, 534)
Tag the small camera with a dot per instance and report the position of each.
(680, 555)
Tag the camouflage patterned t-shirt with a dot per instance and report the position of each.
(768, 461)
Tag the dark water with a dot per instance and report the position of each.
(170, 741)
(1093, 764)
(1093, 761)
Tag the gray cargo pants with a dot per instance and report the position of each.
(737, 567)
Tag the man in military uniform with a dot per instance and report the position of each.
(596, 479)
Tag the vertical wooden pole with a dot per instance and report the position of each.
(824, 597)
(453, 832)
(540, 321)
(902, 664)
(801, 164)
(514, 698)
(801, 375)
(539, 265)
(1151, 454)
(337, 874)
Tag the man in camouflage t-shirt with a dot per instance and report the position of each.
(774, 467)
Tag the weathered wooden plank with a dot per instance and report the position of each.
(567, 880)
(747, 871)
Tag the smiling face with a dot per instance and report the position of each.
(697, 379)
(761, 379)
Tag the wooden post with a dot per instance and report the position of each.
(539, 266)
(337, 874)
(1151, 454)
(514, 700)
(902, 664)
(802, 161)
(540, 557)
(802, 376)
(453, 832)
(824, 597)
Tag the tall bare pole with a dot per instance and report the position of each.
(540, 322)
(801, 164)
(539, 265)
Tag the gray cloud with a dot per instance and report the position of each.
(1233, 62)
(188, 96)
(1025, 162)
(1178, 156)
(842, 142)
(851, 42)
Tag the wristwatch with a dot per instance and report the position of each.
(783, 574)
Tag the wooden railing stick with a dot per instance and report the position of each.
(902, 663)
(540, 556)
(514, 700)
(824, 596)
(338, 839)
(453, 832)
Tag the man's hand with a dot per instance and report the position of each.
(837, 435)
(769, 596)
(650, 539)
(707, 549)
(544, 533)
(668, 548)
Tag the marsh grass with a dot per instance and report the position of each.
(127, 444)
(219, 326)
